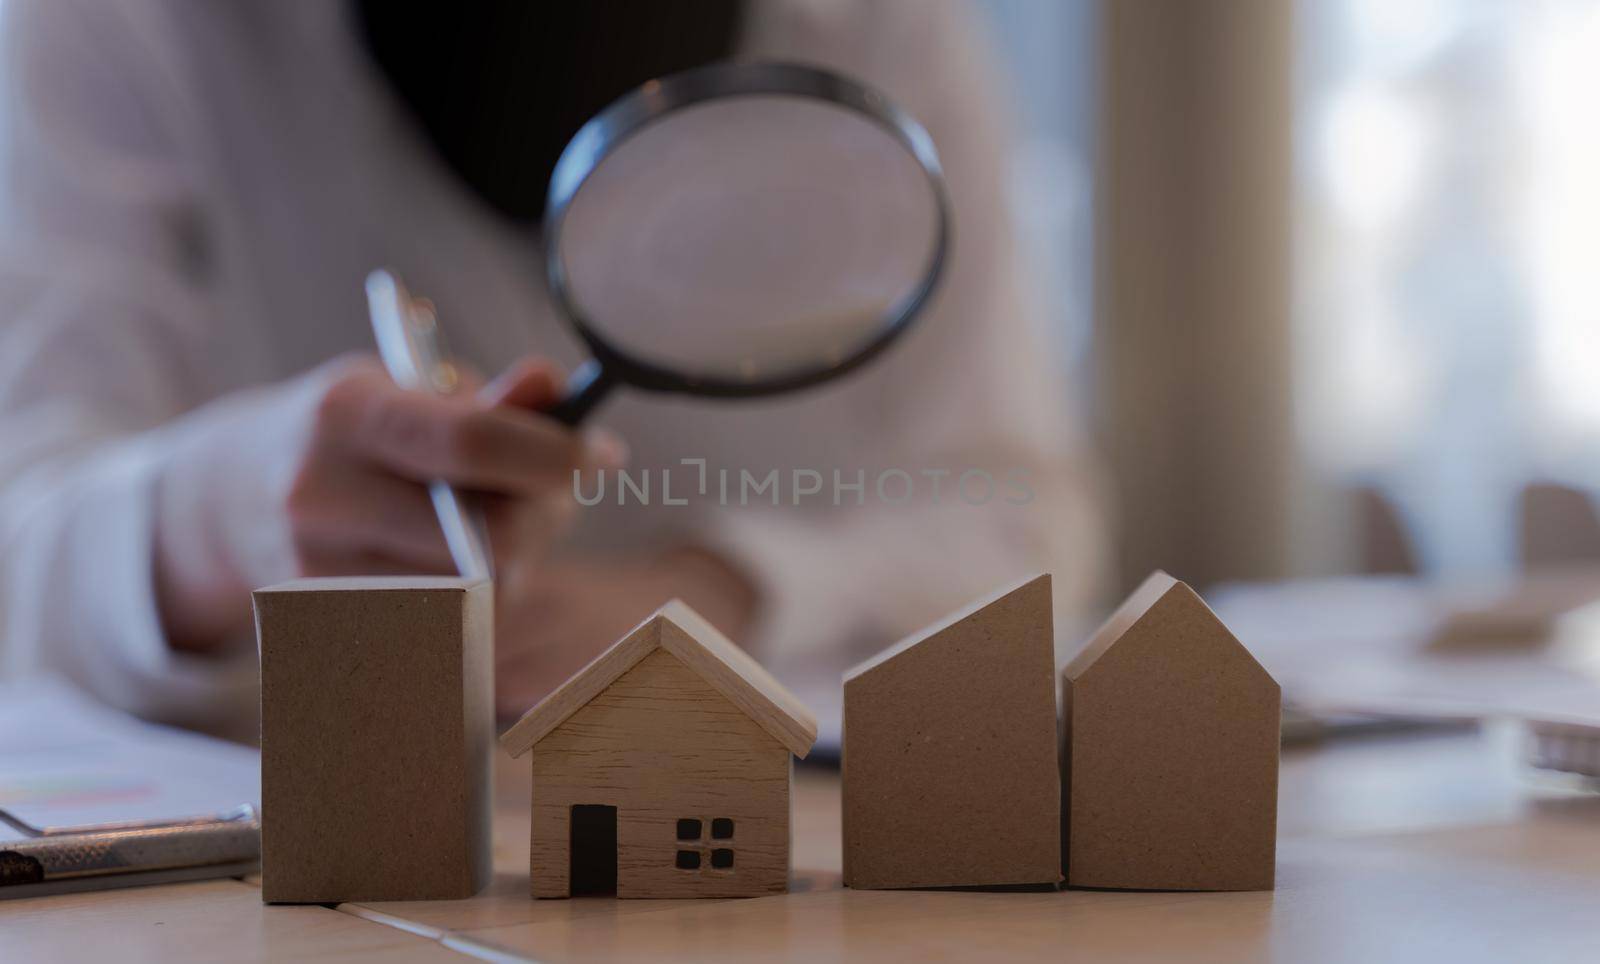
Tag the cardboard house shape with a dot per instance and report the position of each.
(662, 769)
(1169, 751)
(949, 758)
(377, 738)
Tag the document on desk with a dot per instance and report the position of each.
(67, 761)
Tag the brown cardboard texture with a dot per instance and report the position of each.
(1169, 751)
(950, 776)
(662, 769)
(377, 721)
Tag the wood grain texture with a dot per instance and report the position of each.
(687, 635)
(1169, 751)
(1446, 895)
(376, 734)
(1436, 845)
(950, 764)
(212, 920)
(662, 744)
(700, 645)
(1431, 848)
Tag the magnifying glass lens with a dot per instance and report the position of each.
(749, 239)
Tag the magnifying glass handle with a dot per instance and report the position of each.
(585, 388)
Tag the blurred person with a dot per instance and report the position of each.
(189, 408)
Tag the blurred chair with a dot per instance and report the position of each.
(1384, 545)
(1559, 526)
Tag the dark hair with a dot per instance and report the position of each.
(500, 86)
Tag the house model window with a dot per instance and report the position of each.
(721, 858)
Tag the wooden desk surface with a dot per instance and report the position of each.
(1421, 848)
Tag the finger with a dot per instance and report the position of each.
(532, 383)
(535, 384)
(468, 380)
(523, 530)
(606, 448)
(373, 511)
(494, 449)
(344, 561)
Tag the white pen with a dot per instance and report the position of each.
(409, 342)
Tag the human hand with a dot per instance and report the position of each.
(359, 503)
(360, 451)
(552, 620)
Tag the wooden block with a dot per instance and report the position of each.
(950, 768)
(1169, 751)
(662, 769)
(377, 721)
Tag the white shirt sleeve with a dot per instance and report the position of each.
(102, 306)
(973, 385)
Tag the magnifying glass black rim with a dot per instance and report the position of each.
(600, 137)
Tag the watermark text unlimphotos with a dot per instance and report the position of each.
(800, 486)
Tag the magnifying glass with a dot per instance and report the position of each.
(741, 230)
(731, 231)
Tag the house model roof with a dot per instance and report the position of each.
(699, 645)
(928, 632)
(1136, 607)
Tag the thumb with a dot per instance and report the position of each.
(532, 383)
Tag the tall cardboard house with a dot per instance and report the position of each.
(377, 725)
(662, 769)
(1169, 751)
(950, 764)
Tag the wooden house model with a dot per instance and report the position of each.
(1169, 751)
(662, 769)
(949, 758)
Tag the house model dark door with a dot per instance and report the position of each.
(593, 861)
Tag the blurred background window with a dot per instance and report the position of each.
(1434, 352)
(1446, 305)
(1049, 48)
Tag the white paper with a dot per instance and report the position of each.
(66, 760)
